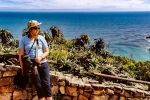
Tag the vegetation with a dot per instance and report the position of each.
(79, 57)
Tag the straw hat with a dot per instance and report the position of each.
(32, 23)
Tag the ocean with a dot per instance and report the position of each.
(126, 32)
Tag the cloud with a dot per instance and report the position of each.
(78, 4)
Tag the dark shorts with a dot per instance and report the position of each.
(42, 81)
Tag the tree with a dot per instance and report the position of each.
(5, 36)
(85, 38)
(82, 40)
(98, 46)
(56, 32)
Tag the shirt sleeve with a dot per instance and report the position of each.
(44, 43)
(21, 43)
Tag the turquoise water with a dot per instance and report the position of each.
(125, 31)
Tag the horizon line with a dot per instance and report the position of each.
(70, 10)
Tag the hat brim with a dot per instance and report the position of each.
(27, 30)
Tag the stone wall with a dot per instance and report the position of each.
(68, 87)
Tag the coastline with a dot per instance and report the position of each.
(125, 35)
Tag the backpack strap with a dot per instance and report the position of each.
(37, 47)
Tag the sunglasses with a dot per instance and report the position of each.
(36, 28)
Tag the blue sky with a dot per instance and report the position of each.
(76, 5)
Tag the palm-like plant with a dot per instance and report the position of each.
(78, 42)
(5, 36)
(85, 38)
(56, 32)
(98, 46)
(82, 40)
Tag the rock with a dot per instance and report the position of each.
(6, 81)
(62, 83)
(81, 97)
(115, 97)
(87, 95)
(97, 92)
(5, 96)
(117, 89)
(7, 89)
(94, 97)
(75, 98)
(80, 91)
(54, 79)
(137, 99)
(61, 76)
(1, 65)
(66, 98)
(54, 89)
(137, 94)
(62, 90)
(74, 84)
(71, 91)
(81, 85)
(125, 93)
(35, 98)
(69, 88)
(2, 68)
(109, 92)
(87, 87)
(147, 93)
(68, 80)
(12, 67)
(85, 80)
(98, 86)
(9, 73)
(1, 74)
(20, 95)
(122, 98)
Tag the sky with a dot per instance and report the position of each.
(76, 5)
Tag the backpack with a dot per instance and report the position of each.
(21, 80)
